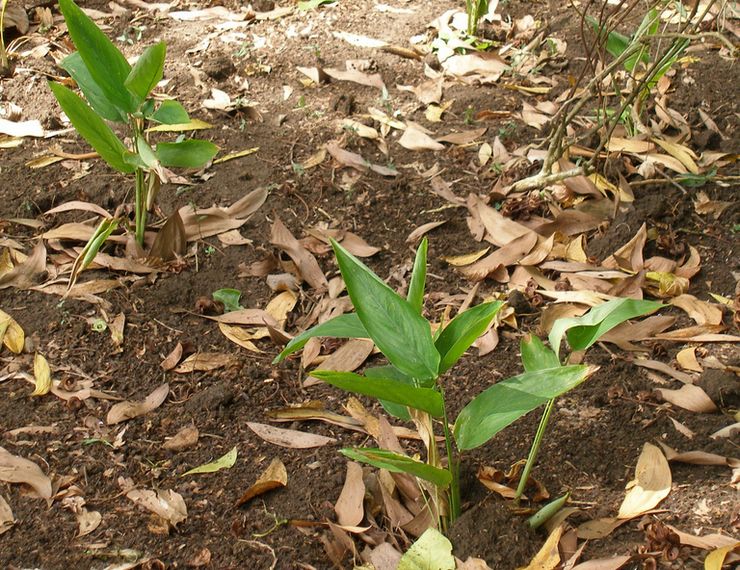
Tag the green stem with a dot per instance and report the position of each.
(534, 450)
(140, 206)
(453, 467)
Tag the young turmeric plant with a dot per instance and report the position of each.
(120, 93)
(412, 385)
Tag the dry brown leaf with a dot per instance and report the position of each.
(465, 259)
(240, 336)
(634, 146)
(350, 241)
(173, 358)
(604, 563)
(689, 397)
(15, 469)
(414, 138)
(727, 431)
(507, 255)
(116, 327)
(349, 506)
(25, 274)
(168, 504)
(423, 229)
(42, 375)
(665, 369)
(127, 410)
(485, 67)
(355, 76)
(463, 138)
(599, 528)
(699, 457)
(6, 516)
(706, 542)
(548, 557)
(682, 429)
(686, 359)
(354, 160)
(205, 362)
(274, 477)
(346, 358)
(306, 263)
(289, 438)
(682, 153)
(652, 483)
(11, 333)
(500, 230)
(87, 521)
(185, 438)
(215, 220)
(171, 241)
(532, 117)
(627, 333)
(311, 411)
(703, 205)
(702, 312)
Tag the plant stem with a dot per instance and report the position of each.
(140, 206)
(534, 450)
(453, 467)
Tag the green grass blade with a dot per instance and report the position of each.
(92, 128)
(462, 331)
(424, 399)
(399, 464)
(415, 296)
(401, 334)
(507, 401)
(343, 326)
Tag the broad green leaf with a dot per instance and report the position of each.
(107, 66)
(389, 371)
(401, 334)
(229, 297)
(424, 399)
(146, 153)
(92, 128)
(415, 296)
(191, 153)
(170, 113)
(224, 462)
(535, 355)
(505, 402)
(585, 330)
(462, 331)
(77, 69)
(343, 326)
(397, 463)
(147, 71)
(431, 551)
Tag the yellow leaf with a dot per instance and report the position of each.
(548, 557)
(42, 374)
(716, 558)
(651, 484)
(684, 154)
(234, 155)
(44, 161)
(11, 333)
(466, 259)
(192, 125)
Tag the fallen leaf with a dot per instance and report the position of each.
(682, 429)
(699, 457)
(506, 255)
(173, 358)
(15, 469)
(183, 439)
(6, 516)
(423, 229)
(701, 312)
(30, 128)
(728, 431)
(548, 557)
(689, 397)
(167, 504)
(414, 138)
(11, 333)
(703, 205)
(127, 410)
(465, 259)
(205, 362)
(686, 359)
(240, 336)
(307, 265)
(346, 358)
(354, 160)
(226, 461)
(355, 76)
(652, 483)
(274, 477)
(290, 438)
(463, 138)
(87, 521)
(682, 377)
(42, 375)
(350, 504)
(25, 274)
(716, 559)
(599, 528)
(202, 223)
(485, 67)
(682, 153)
(432, 551)
(604, 563)
(706, 542)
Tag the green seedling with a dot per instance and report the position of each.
(411, 385)
(117, 92)
(475, 9)
(229, 297)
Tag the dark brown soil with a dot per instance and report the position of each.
(596, 433)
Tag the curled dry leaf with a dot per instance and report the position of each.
(686, 359)
(699, 457)
(87, 521)
(689, 397)
(349, 507)
(682, 429)
(204, 362)
(423, 229)
(354, 160)
(25, 274)
(548, 557)
(116, 327)
(183, 439)
(168, 504)
(728, 431)
(11, 333)
(290, 438)
(127, 410)
(346, 358)
(173, 358)
(652, 483)
(307, 265)
(42, 375)
(200, 224)
(414, 138)
(15, 469)
(274, 477)
(6, 516)
(701, 312)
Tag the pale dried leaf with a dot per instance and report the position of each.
(173, 358)
(25, 275)
(309, 268)
(604, 563)
(185, 438)
(423, 229)
(289, 438)
(127, 410)
(211, 221)
(463, 138)
(346, 358)
(465, 259)
(6, 516)
(42, 375)
(702, 312)
(356, 76)
(205, 362)
(415, 139)
(689, 397)
(682, 429)
(168, 504)
(349, 506)
(686, 359)
(15, 469)
(651, 485)
(548, 557)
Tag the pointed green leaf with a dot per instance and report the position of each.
(585, 330)
(146, 153)
(535, 355)
(415, 296)
(400, 333)
(343, 326)
(389, 371)
(92, 128)
(399, 464)
(170, 113)
(107, 66)
(424, 399)
(224, 462)
(191, 153)
(78, 71)
(432, 551)
(507, 401)
(462, 331)
(147, 71)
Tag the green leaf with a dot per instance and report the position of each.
(507, 401)
(400, 333)
(398, 463)
(462, 331)
(616, 43)
(585, 330)
(224, 462)
(229, 297)
(389, 371)
(535, 355)
(548, 511)
(77, 69)
(343, 326)
(92, 128)
(306, 5)
(146, 153)
(170, 113)
(415, 296)
(191, 153)
(107, 66)
(424, 399)
(147, 71)
(431, 551)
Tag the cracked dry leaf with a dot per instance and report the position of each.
(16, 469)
(6, 516)
(167, 504)
(11, 333)
(289, 438)
(42, 375)
(652, 483)
(25, 274)
(215, 220)
(183, 439)
(274, 477)
(226, 461)
(127, 410)
(702, 312)
(350, 504)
